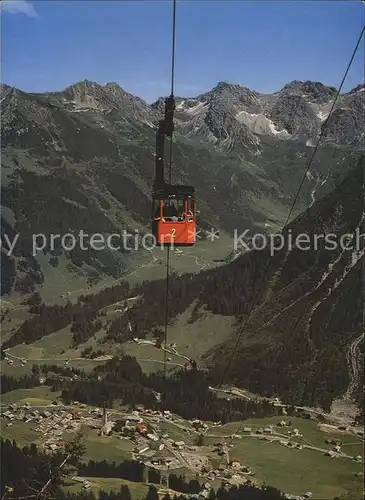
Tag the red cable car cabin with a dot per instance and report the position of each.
(174, 215)
(173, 221)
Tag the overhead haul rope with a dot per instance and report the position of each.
(168, 248)
(309, 164)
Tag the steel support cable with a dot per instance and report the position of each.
(164, 406)
(309, 164)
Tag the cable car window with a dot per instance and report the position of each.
(180, 210)
(169, 209)
(190, 209)
(173, 210)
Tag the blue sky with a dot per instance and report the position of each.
(48, 45)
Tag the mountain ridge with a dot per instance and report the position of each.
(94, 146)
(315, 93)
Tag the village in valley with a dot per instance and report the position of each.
(203, 449)
(214, 453)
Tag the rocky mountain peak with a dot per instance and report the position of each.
(359, 88)
(88, 95)
(314, 91)
(85, 86)
(225, 86)
(228, 89)
(114, 86)
(6, 91)
(85, 94)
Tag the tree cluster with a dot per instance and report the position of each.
(186, 393)
(82, 317)
(137, 472)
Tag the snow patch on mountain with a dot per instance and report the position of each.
(199, 109)
(180, 106)
(260, 124)
(322, 116)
